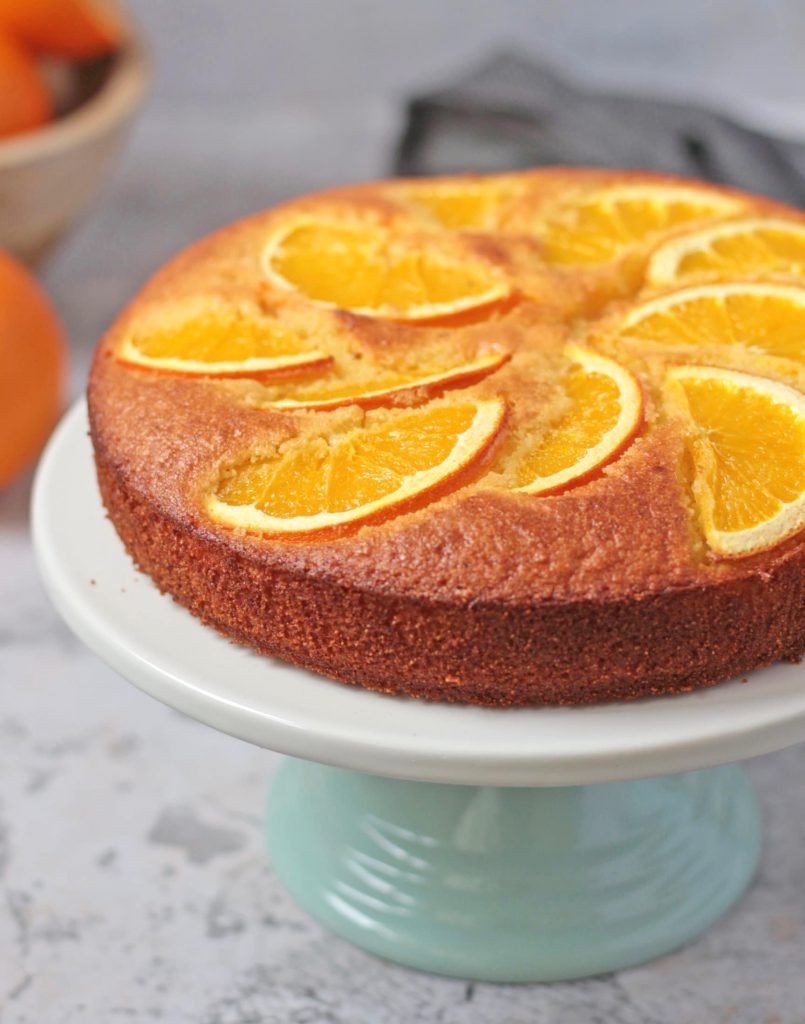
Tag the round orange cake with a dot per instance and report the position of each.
(516, 439)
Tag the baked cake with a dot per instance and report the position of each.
(515, 439)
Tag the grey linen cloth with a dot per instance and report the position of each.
(513, 112)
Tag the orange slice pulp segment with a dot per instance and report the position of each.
(327, 483)
(737, 248)
(219, 342)
(763, 318)
(375, 272)
(599, 226)
(332, 390)
(747, 442)
(604, 412)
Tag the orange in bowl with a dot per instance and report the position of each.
(75, 29)
(32, 368)
(72, 75)
(24, 99)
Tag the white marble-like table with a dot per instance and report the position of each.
(133, 884)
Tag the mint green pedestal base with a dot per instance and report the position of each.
(514, 885)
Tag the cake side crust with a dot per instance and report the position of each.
(489, 654)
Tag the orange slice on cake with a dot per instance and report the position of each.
(760, 318)
(603, 224)
(207, 339)
(747, 440)
(462, 204)
(603, 414)
(738, 248)
(386, 386)
(331, 482)
(373, 271)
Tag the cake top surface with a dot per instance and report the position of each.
(551, 385)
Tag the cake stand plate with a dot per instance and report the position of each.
(505, 845)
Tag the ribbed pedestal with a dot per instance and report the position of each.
(513, 884)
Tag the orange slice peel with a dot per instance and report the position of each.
(373, 272)
(331, 484)
(604, 416)
(736, 248)
(601, 225)
(331, 395)
(219, 343)
(746, 436)
(764, 318)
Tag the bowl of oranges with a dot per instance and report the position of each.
(73, 74)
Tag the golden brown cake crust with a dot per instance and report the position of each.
(603, 592)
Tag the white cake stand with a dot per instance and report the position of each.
(507, 845)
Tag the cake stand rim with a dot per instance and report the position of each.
(95, 587)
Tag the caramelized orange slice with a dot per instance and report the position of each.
(604, 412)
(332, 390)
(377, 272)
(601, 225)
(211, 340)
(739, 248)
(747, 441)
(463, 204)
(327, 483)
(766, 319)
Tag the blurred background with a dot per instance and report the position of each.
(132, 880)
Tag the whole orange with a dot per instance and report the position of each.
(33, 361)
(75, 29)
(24, 99)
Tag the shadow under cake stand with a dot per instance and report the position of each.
(504, 845)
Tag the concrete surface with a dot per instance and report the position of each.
(133, 886)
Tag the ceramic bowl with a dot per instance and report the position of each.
(49, 176)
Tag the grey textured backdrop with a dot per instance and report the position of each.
(132, 881)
